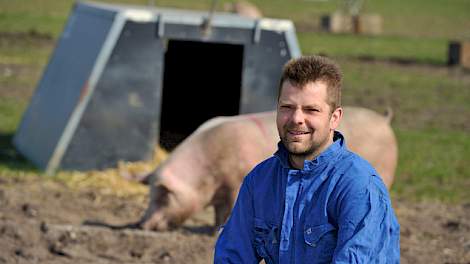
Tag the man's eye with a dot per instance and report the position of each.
(311, 110)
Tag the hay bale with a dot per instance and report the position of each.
(339, 22)
(369, 24)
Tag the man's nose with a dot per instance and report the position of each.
(298, 116)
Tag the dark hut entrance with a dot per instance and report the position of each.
(201, 80)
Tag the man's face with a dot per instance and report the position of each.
(304, 120)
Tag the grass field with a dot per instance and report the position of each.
(433, 18)
(404, 68)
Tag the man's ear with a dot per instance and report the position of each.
(335, 118)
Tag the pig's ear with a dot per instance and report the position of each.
(162, 194)
(153, 177)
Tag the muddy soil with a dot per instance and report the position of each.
(41, 222)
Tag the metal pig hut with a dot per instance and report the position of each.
(123, 78)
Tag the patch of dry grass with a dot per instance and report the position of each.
(121, 181)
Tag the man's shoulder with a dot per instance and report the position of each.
(355, 172)
(267, 164)
(265, 169)
(352, 162)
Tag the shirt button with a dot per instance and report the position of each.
(308, 231)
(314, 245)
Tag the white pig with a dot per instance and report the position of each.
(208, 167)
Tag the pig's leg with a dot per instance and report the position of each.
(222, 212)
(225, 200)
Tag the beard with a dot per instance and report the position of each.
(308, 147)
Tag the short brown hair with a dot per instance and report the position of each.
(306, 69)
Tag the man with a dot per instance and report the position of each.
(313, 201)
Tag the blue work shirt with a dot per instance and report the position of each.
(335, 210)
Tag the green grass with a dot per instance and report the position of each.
(398, 48)
(24, 22)
(25, 49)
(433, 164)
(10, 113)
(413, 18)
(422, 97)
(417, 30)
(420, 18)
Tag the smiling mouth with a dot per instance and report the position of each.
(297, 133)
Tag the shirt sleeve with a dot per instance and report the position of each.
(235, 242)
(368, 229)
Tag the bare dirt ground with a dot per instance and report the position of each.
(41, 222)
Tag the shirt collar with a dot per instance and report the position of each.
(326, 156)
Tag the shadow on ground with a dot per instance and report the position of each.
(10, 157)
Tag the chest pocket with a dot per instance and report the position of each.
(320, 242)
(266, 240)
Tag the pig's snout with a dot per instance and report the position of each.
(155, 222)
